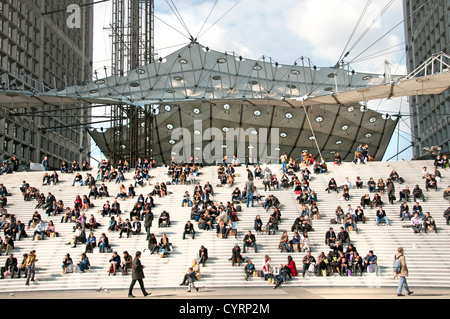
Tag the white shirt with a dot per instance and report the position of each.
(416, 221)
(347, 182)
(40, 227)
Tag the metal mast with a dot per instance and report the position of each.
(132, 39)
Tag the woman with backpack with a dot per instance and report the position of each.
(401, 271)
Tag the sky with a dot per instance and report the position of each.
(285, 30)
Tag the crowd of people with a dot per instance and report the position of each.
(419, 219)
(207, 214)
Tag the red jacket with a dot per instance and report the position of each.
(293, 268)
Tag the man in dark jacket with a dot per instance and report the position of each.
(148, 219)
(343, 236)
(390, 190)
(250, 240)
(330, 237)
(10, 265)
(428, 221)
(126, 228)
(203, 255)
(137, 274)
(250, 188)
(188, 229)
(337, 248)
(417, 193)
(370, 261)
(447, 215)
(164, 218)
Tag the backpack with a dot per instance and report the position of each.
(396, 266)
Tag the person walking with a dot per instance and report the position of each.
(30, 266)
(137, 274)
(402, 274)
(250, 187)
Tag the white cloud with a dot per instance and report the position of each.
(284, 30)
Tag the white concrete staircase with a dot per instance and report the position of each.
(425, 252)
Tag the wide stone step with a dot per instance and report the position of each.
(424, 251)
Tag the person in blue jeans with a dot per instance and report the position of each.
(402, 274)
(381, 216)
(186, 199)
(284, 160)
(250, 187)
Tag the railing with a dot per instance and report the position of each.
(437, 63)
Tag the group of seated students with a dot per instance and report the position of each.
(99, 192)
(124, 193)
(118, 264)
(74, 167)
(331, 262)
(50, 179)
(202, 195)
(5, 168)
(41, 228)
(306, 158)
(305, 196)
(184, 175)
(142, 171)
(380, 186)
(121, 166)
(110, 175)
(89, 180)
(139, 212)
(49, 204)
(441, 161)
(348, 263)
(163, 247)
(271, 226)
(238, 196)
(107, 173)
(320, 167)
(226, 174)
(361, 155)
(12, 227)
(29, 192)
(270, 181)
(418, 220)
(349, 217)
(209, 216)
(141, 164)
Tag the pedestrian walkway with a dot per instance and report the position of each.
(238, 293)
